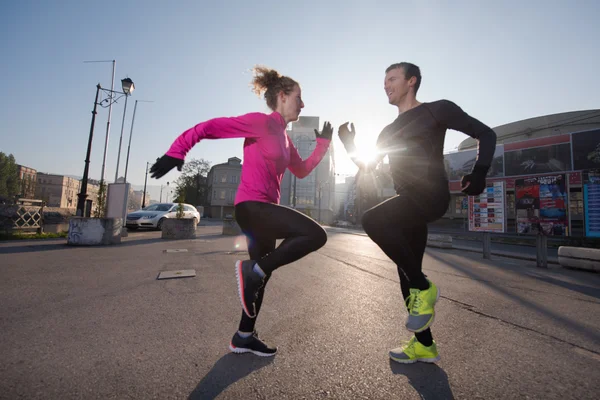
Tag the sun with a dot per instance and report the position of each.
(366, 154)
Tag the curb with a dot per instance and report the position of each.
(526, 257)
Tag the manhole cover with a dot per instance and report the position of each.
(181, 273)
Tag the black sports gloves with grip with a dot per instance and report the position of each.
(164, 164)
(474, 184)
(326, 133)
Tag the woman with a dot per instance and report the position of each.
(268, 151)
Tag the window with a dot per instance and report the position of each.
(224, 178)
(222, 195)
(576, 203)
(510, 203)
(234, 179)
(461, 205)
(214, 194)
(189, 208)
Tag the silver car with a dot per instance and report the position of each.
(154, 215)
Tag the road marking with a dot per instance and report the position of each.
(182, 273)
(176, 251)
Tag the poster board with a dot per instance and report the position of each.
(591, 202)
(487, 212)
(541, 203)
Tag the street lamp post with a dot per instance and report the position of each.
(161, 189)
(131, 134)
(127, 92)
(82, 196)
(112, 88)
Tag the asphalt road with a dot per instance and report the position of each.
(95, 323)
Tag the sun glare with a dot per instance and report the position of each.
(366, 154)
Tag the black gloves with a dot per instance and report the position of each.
(347, 135)
(163, 165)
(326, 133)
(474, 184)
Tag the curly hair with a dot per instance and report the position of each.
(270, 82)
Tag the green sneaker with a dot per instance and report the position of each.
(420, 308)
(413, 351)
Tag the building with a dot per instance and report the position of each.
(545, 165)
(28, 181)
(313, 195)
(57, 190)
(223, 181)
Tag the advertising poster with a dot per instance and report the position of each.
(461, 163)
(538, 160)
(541, 204)
(586, 150)
(486, 211)
(591, 202)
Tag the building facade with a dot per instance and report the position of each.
(546, 165)
(313, 195)
(223, 181)
(28, 181)
(57, 190)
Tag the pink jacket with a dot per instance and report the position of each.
(268, 151)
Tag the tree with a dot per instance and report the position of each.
(100, 210)
(9, 178)
(192, 185)
(27, 185)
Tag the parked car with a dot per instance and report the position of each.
(154, 215)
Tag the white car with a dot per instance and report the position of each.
(154, 215)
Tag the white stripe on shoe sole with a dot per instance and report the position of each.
(425, 360)
(242, 350)
(240, 282)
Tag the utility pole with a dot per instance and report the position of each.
(145, 181)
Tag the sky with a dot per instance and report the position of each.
(500, 61)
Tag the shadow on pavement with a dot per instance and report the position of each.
(32, 247)
(587, 290)
(226, 371)
(37, 247)
(429, 380)
(546, 311)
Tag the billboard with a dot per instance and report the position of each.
(538, 160)
(461, 163)
(541, 204)
(591, 202)
(586, 150)
(487, 211)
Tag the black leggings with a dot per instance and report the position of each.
(399, 227)
(263, 224)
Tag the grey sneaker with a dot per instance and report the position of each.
(251, 344)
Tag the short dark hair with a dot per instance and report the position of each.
(410, 70)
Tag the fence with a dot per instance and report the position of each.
(26, 215)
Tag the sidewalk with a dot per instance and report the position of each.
(476, 248)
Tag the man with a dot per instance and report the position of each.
(414, 143)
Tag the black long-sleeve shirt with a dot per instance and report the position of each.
(414, 143)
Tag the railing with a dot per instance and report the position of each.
(26, 215)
